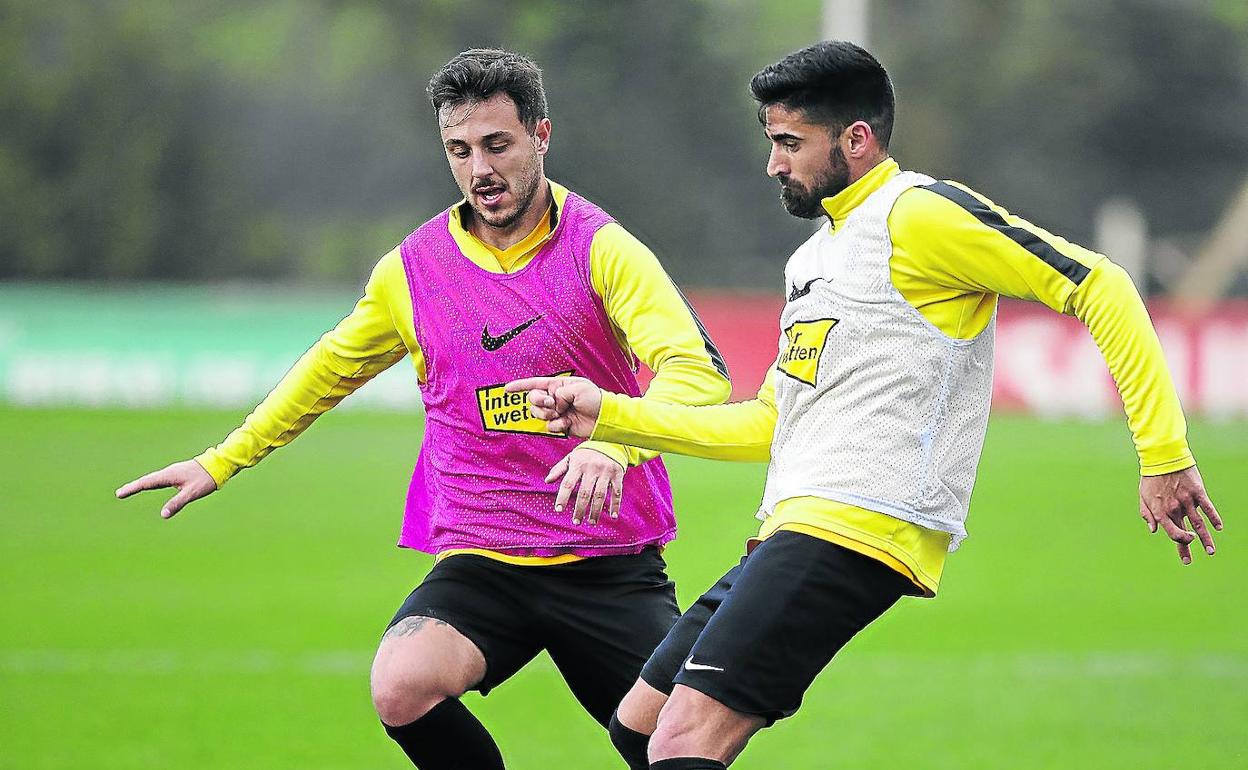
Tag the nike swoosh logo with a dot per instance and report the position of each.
(492, 343)
(691, 666)
(797, 293)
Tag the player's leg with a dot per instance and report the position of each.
(421, 662)
(633, 723)
(596, 619)
(638, 714)
(461, 629)
(695, 726)
(603, 617)
(795, 603)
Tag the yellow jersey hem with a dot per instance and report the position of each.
(522, 561)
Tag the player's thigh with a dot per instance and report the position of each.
(604, 618)
(639, 710)
(464, 599)
(420, 657)
(660, 670)
(796, 602)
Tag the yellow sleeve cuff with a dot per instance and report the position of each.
(218, 467)
(1166, 458)
(608, 413)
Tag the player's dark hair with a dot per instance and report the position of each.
(479, 73)
(833, 82)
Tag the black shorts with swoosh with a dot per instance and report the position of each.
(758, 638)
(599, 618)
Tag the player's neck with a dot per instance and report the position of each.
(861, 167)
(503, 238)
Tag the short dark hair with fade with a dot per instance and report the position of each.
(479, 73)
(833, 82)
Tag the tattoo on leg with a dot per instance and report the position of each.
(410, 626)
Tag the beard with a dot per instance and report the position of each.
(523, 191)
(806, 202)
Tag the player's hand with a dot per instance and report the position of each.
(188, 477)
(600, 480)
(568, 404)
(1168, 499)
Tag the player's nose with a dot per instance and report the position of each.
(776, 164)
(481, 167)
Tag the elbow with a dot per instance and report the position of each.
(693, 383)
(719, 390)
(711, 389)
(1107, 286)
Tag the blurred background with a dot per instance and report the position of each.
(190, 193)
(167, 164)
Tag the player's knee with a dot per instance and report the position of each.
(692, 724)
(641, 706)
(400, 700)
(676, 735)
(396, 706)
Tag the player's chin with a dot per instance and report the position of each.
(499, 218)
(799, 205)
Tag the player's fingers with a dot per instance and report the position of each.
(565, 398)
(598, 499)
(1185, 552)
(544, 412)
(565, 489)
(540, 399)
(532, 383)
(559, 425)
(617, 494)
(557, 470)
(1198, 525)
(583, 496)
(1148, 517)
(154, 480)
(1174, 531)
(1206, 505)
(177, 503)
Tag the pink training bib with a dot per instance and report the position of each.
(479, 480)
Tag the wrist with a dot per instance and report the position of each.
(216, 466)
(614, 451)
(608, 408)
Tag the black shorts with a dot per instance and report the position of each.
(600, 618)
(758, 638)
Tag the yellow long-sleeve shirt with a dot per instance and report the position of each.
(647, 313)
(951, 265)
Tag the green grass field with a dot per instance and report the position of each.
(239, 634)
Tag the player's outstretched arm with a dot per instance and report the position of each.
(739, 431)
(188, 477)
(1168, 499)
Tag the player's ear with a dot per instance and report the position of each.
(541, 136)
(857, 140)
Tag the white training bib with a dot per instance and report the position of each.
(877, 407)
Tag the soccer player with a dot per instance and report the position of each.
(873, 417)
(522, 277)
